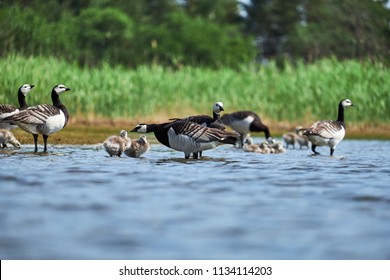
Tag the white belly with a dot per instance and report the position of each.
(7, 126)
(331, 142)
(242, 126)
(52, 124)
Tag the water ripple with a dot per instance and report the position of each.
(77, 202)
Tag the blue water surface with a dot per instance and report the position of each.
(76, 202)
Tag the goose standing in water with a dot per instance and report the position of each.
(204, 120)
(43, 119)
(7, 110)
(117, 145)
(188, 137)
(245, 122)
(328, 132)
(138, 147)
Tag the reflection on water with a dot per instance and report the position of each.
(75, 202)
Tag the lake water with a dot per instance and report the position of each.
(76, 202)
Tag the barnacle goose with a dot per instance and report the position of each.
(188, 137)
(328, 132)
(8, 110)
(138, 147)
(43, 119)
(117, 145)
(205, 120)
(214, 122)
(245, 122)
(6, 137)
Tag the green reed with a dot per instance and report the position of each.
(296, 94)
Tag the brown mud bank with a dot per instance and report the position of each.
(97, 130)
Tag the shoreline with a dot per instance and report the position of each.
(82, 131)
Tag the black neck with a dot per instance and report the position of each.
(160, 132)
(56, 99)
(22, 100)
(267, 133)
(216, 116)
(57, 103)
(340, 116)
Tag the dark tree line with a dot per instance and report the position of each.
(195, 32)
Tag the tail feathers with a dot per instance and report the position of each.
(175, 119)
(230, 138)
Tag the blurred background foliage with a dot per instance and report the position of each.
(177, 33)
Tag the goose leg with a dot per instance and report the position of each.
(45, 142)
(331, 151)
(242, 140)
(313, 148)
(35, 142)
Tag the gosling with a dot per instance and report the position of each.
(138, 147)
(7, 137)
(117, 145)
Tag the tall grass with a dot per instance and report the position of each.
(299, 93)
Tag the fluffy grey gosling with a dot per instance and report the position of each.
(249, 146)
(6, 137)
(117, 145)
(138, 147)
(301, 139)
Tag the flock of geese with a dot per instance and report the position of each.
(42, 119)
(191, 135)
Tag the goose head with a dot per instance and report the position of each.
(15, 143)
(123, 134)
(249, 141)
(218, 107)
(26, 88)
(143, 139)
(60, 89)
(140, 128)
(346, 103)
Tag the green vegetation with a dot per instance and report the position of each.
(197, 33)
(295, 94)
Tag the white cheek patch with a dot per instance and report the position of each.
(142, 129)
